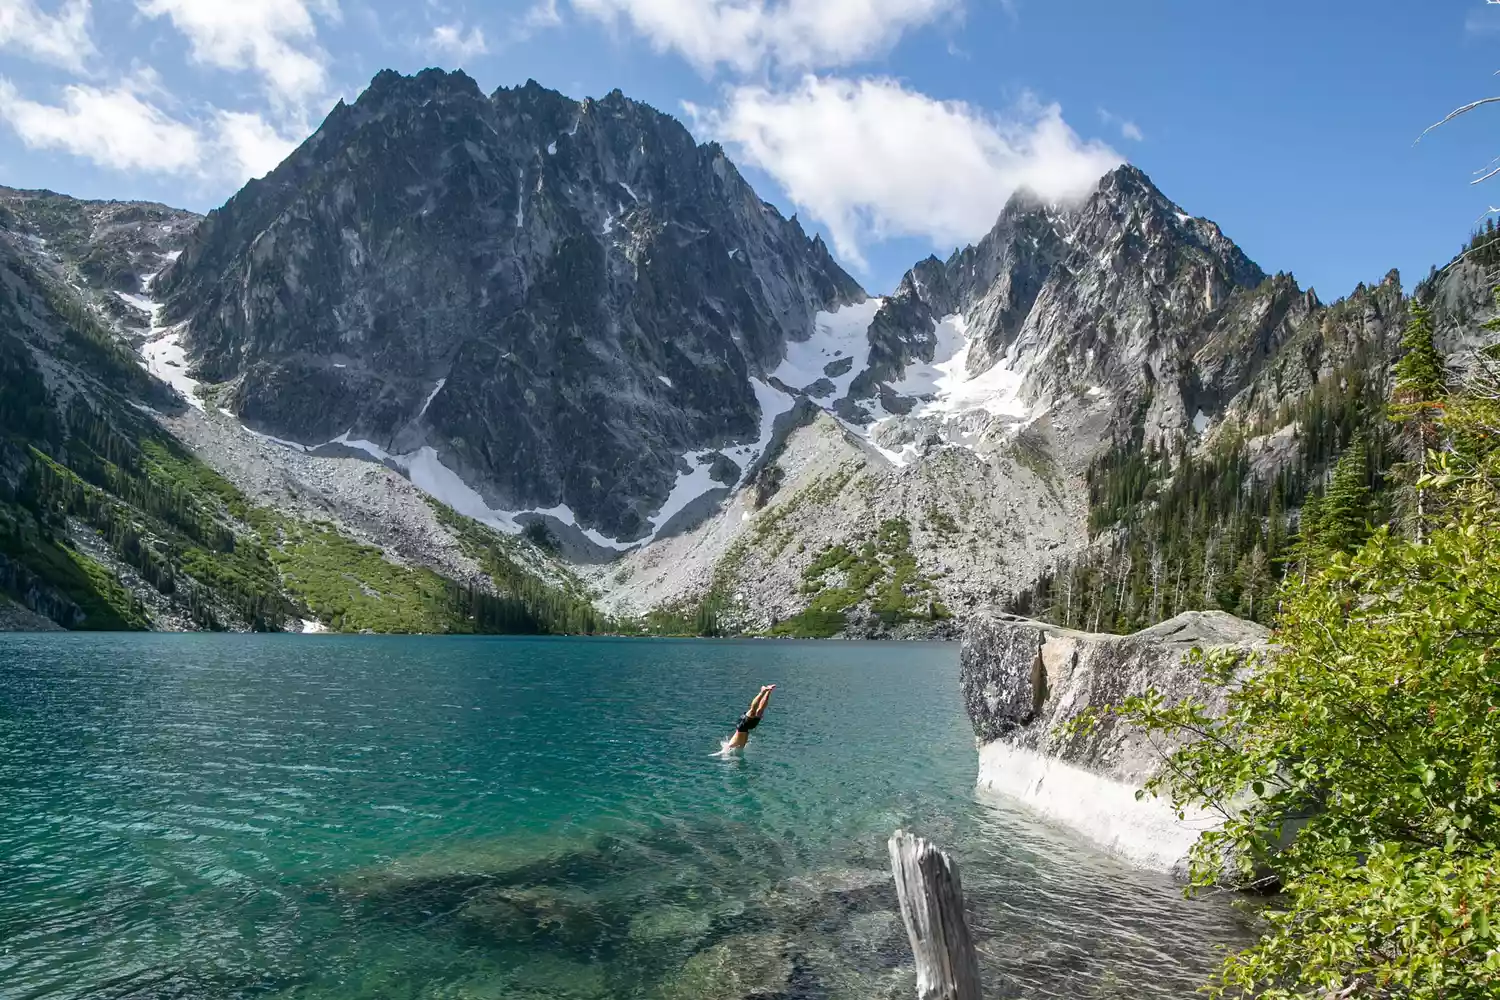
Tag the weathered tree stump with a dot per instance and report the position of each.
(932, 904)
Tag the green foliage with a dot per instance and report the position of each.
(881, 572)
(1343, 521)
(1189, 532)
(354, 588)
(812, 623)
(523, 602)
(1366, 749)
(106, 604)
(1416, 407)
(1420, 376)
(167, 516)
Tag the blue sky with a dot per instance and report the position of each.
(895, 127)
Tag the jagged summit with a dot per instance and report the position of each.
(1098, 297)
(561, 305)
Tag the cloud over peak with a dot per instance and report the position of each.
(872, 160)
(276, 39)
(452, 41)
(121, 128)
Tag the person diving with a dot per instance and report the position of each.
(750, 719)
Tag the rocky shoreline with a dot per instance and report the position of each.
(18, 618)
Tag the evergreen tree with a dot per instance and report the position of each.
(1344, 521)
(1421, 386)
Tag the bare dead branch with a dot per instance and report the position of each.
(1457, 112)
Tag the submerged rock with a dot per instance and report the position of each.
(738, 968)
(1022, 680)
(508, 915)
(540, 978)
(669, 923)
(826, 901)
(531, 874)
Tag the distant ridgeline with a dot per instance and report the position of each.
(1217, 527)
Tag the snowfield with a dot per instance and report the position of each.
(837, 335)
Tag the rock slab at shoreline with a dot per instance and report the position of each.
(1023, 680)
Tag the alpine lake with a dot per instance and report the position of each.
(211, 817)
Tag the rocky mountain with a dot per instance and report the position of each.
(570, 306)
(109, 519)
(1104, 413)
(1023, 681)
(1102, 297)
(472, 332)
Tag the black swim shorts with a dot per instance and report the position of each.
(747, 722)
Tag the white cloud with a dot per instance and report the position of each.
(253, 147)
(60, 40)
(1128, 129)
(452, 41)
(745, 35)
(119, 128)
(275, 38)
(113, 127)
(872, 160)
(539, 16)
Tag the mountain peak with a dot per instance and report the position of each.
(431, 82)
(516, 251)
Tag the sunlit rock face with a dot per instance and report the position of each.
(1024, 680)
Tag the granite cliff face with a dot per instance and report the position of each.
(128, 502)
(1022, 680)
(572, 304)
(1111, 297)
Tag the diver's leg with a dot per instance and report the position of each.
(762, 700)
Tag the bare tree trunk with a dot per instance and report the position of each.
(932, 905)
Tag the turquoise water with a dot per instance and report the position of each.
(323, 817)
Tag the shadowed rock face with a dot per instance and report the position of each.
(592, 289)
(1022, 680)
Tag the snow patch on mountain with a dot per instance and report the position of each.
(773, 403)
(140, 302)
(689, 486)
(431, 396)
(953, 406)
(952, 390)
(837, 335)
(564, 513)
(428, 474)
(166, 358)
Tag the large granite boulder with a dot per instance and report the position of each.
(1023, 680)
